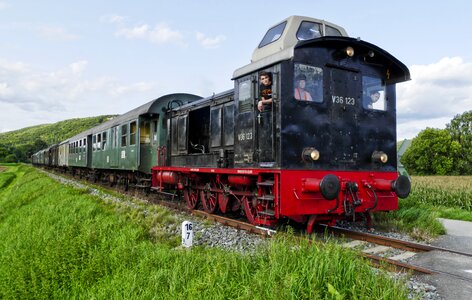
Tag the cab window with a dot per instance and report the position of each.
(308, 31)
(273, 34)
(373, 93)
(308, 83)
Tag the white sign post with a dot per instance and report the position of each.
(187, 234)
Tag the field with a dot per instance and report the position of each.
(61, 242)
(431, 197)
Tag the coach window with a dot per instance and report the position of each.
(145, 133)
(132, 133)
(154, 131)
(308, 83)
(124, 133)
(99, 141)
(104, 140)
(94, 142)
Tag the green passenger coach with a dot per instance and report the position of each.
(125, 143)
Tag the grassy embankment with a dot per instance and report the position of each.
(432, 197)
(61, 242)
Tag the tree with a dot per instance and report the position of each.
(432, 152)
(460, 130)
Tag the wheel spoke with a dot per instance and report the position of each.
(191, 198)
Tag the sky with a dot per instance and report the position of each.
(73, 59)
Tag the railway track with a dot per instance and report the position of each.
(382, 244)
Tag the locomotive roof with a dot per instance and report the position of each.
(280, 40)
(147, 108)
(203, 101)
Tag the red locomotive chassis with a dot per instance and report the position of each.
(268, 195)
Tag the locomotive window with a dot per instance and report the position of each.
(124, 132)
(273, 34)
(308, 31)
(182, 133)
(228, 126)
(215, 127)
(373, 93)
(104, 140)
(245, 99)
(308, 83)
(331, 31)
(132, 133)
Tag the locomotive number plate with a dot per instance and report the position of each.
(343, 100)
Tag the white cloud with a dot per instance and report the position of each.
(78, 67)
(160, 34)
(208, 42)
(56, 33)
(112, 18)
(29, 96)
(436, 93)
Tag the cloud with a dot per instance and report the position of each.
(208, 42)
(112, 19)
(3, 5)
(29, 96)
(56, 33)
(436, 93)
(159, 34)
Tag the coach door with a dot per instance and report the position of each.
(114, 153)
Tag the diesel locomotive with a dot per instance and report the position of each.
(320, 146)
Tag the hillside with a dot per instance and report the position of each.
(18, 145)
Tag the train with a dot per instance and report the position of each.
(307, 134)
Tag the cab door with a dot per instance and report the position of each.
(265, 123)
(244, 132)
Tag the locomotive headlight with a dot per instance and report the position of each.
(379, 156)
(349, 51)
(310, 154)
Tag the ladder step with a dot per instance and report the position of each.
(146, 179)
(141, 186)
(269, 212)
(266, 198)
(266, 183)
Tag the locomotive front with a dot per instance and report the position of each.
(331, 133)
(339, 148)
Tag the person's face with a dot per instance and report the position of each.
(375, 97)
(302, 83)
(265, 80)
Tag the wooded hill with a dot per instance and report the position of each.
(19, 145)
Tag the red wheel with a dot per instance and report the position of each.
(191, 198)
(209, 200)
(250, 209)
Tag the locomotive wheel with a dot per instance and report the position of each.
(191, 198)
(209, 200)
(250, 209)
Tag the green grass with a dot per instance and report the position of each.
(431, 197)
(60, 242)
